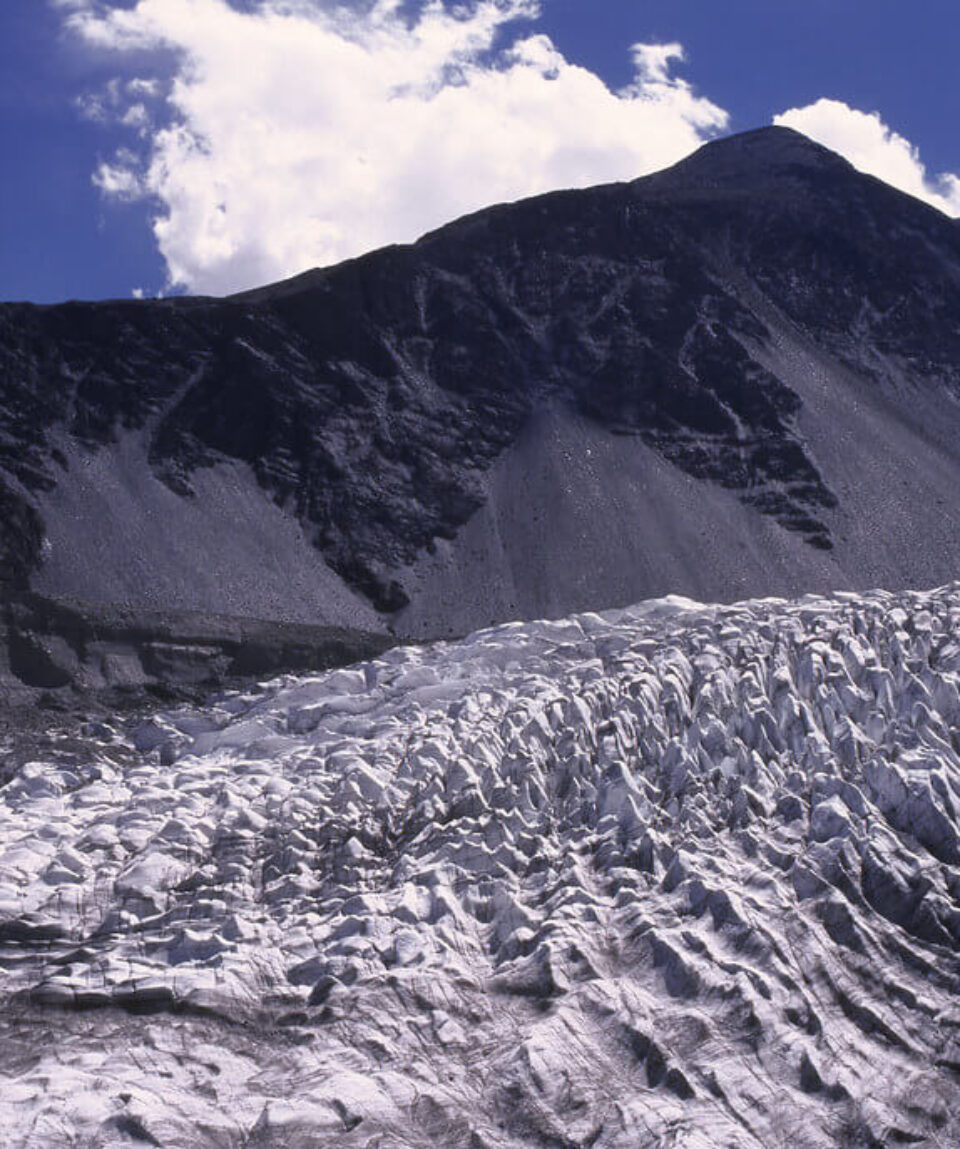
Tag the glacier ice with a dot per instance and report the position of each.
(672, 875)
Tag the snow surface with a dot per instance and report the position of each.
(673, 875)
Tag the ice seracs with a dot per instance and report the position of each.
(674, 875)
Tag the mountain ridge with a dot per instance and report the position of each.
(365, 416)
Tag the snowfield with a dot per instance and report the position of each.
(676, 875)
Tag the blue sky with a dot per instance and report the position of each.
(170, 145)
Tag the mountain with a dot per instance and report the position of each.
(674, 875)
(667, 874)
(739, 376)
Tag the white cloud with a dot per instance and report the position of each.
(143, 88)
(871, 146)
(119, 102)
(299, 133)
(136, 116)
(120, 180)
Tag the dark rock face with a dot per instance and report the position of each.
(372, 399)
(119, 657)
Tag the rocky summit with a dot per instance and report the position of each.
(735, 377)
(676, 875)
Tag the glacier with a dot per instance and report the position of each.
(673, 875)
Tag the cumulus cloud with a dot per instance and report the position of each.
(296, 133)
(873, 147)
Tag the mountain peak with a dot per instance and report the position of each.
(773, 144)
(749, 161)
